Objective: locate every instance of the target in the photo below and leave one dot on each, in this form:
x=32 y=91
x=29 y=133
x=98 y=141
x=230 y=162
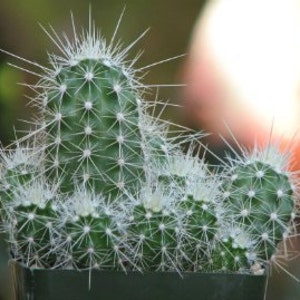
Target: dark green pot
x=108 y=285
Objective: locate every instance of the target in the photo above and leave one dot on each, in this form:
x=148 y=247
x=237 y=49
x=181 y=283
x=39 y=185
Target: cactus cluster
x=99 y=184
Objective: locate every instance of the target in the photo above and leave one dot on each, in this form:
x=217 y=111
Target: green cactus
x=33 y=230
x=91 y=235
x=260 y=196
x=180 y=171
x=94 y=120
x=153 y=232
x=103 y=186
x=19 y=167
x=93 y=125
x=200 y=226
x=228 y=255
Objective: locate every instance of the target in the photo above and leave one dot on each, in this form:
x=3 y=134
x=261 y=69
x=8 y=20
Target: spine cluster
x=100 y=185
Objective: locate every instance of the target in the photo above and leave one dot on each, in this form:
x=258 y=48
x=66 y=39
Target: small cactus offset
x=100 y=185
x=92 y=233
x=232 y=252
x=18 y=168
x=260 y=195
x=33 y=230
x=154 y=231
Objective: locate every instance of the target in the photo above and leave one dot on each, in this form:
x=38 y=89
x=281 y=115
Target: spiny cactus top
x=93 y=120
x=100 y=185
x=260 y=195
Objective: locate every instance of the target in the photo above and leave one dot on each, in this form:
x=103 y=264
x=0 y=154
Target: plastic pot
x=41 y=284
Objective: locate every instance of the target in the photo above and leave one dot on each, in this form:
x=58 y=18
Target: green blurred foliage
x=10 y=100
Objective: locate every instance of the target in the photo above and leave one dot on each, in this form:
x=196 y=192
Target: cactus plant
x=92 y=119
x=100 y=185
x=258 y=191
x=92 y=235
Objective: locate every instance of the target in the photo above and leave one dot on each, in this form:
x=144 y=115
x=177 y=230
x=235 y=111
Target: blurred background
x=242 y=69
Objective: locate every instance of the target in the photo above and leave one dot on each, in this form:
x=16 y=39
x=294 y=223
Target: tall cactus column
x=92 y=124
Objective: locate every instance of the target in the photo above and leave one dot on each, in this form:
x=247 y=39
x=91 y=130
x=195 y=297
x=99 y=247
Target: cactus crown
x=100 y=185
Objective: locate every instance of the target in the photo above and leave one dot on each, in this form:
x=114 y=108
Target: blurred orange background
x=243 y=73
